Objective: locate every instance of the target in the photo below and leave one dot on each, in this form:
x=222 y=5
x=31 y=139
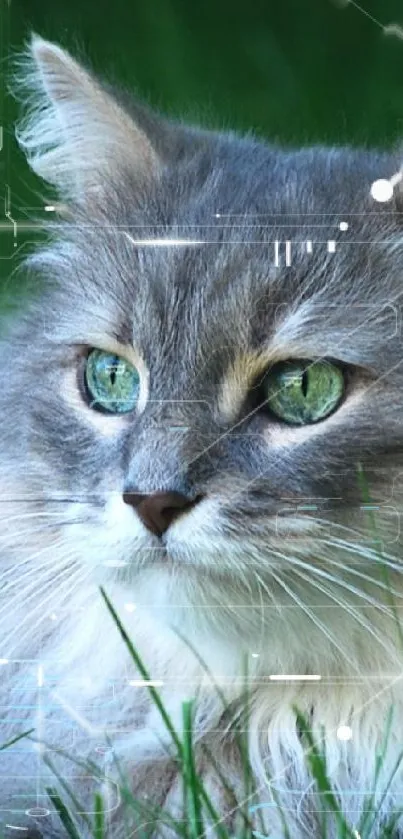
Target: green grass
x=143 y=819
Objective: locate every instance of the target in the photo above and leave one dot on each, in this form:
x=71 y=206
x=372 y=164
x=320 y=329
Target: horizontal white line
x=162 y=242
x=295 y=678
x=144 y=683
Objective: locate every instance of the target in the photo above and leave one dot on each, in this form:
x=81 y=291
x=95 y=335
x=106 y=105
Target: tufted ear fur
x=73 y=133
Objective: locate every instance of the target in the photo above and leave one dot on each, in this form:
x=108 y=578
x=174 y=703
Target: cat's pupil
x=304 y=383
x=113 y=376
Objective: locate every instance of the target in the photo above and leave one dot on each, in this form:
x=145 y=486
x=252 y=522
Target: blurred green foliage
x=297 y=71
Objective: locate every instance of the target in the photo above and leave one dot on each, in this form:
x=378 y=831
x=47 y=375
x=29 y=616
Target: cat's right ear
x=74 y=134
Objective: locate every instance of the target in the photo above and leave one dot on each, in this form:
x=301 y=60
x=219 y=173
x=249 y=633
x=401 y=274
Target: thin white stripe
x=295 y=678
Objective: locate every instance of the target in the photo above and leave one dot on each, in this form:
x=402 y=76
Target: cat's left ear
x=74 y=134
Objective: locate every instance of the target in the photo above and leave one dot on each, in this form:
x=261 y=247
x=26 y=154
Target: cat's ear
x=74 y=134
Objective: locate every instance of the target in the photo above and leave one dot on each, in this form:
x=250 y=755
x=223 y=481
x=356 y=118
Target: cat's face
x=260 y=387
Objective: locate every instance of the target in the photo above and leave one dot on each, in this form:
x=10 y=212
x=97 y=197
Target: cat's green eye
x=112 y=383
x=302 y=392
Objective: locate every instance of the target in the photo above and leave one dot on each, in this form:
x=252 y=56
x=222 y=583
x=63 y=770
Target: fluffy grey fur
x=247 y=570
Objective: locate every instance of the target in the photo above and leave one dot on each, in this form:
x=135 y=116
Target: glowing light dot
x=343 y=225
x=255 y=655
x=53 y=617
x=3 y=660
x=218 y=215
x=344 y=732
x=130 y=607
x=382 y=190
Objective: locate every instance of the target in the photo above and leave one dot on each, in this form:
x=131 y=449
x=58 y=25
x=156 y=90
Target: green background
x=298 y=71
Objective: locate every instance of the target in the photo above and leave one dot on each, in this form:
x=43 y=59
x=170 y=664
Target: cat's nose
x=159 y=509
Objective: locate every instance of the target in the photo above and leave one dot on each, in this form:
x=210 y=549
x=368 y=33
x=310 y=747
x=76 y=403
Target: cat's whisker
x=318 y=623
x=48 y=514
x=55 y=526
x=336 y=581
x=30 y=635
x=13 y=540
x=29 y=579
x=268 y=591
x=62 y=587
x=26 y=593
x=319 y=571
x=348 y=569
x=353 y=613
x=262 y=610
x=261 y=585
x=31 y=564
x=312 y=571
x=369 y=555
x=368 y=552
x=55 y=536
x=40 y=499
x=33 y=596
x=31 y=559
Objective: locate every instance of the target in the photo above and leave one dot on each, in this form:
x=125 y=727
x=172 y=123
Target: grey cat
x=202 y=413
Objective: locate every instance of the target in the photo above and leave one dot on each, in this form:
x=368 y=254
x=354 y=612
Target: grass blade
x=99 y=820
x=144 y=672
x=237 y=735
x=154 y=813
x=16 y=739
x=229 y=790
x=88 y=765
x=193 y=804
x=387 y=787
x=318 y=770
x=369 y=804
x=79 y=807
x=63 y=812
x=221 y=832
